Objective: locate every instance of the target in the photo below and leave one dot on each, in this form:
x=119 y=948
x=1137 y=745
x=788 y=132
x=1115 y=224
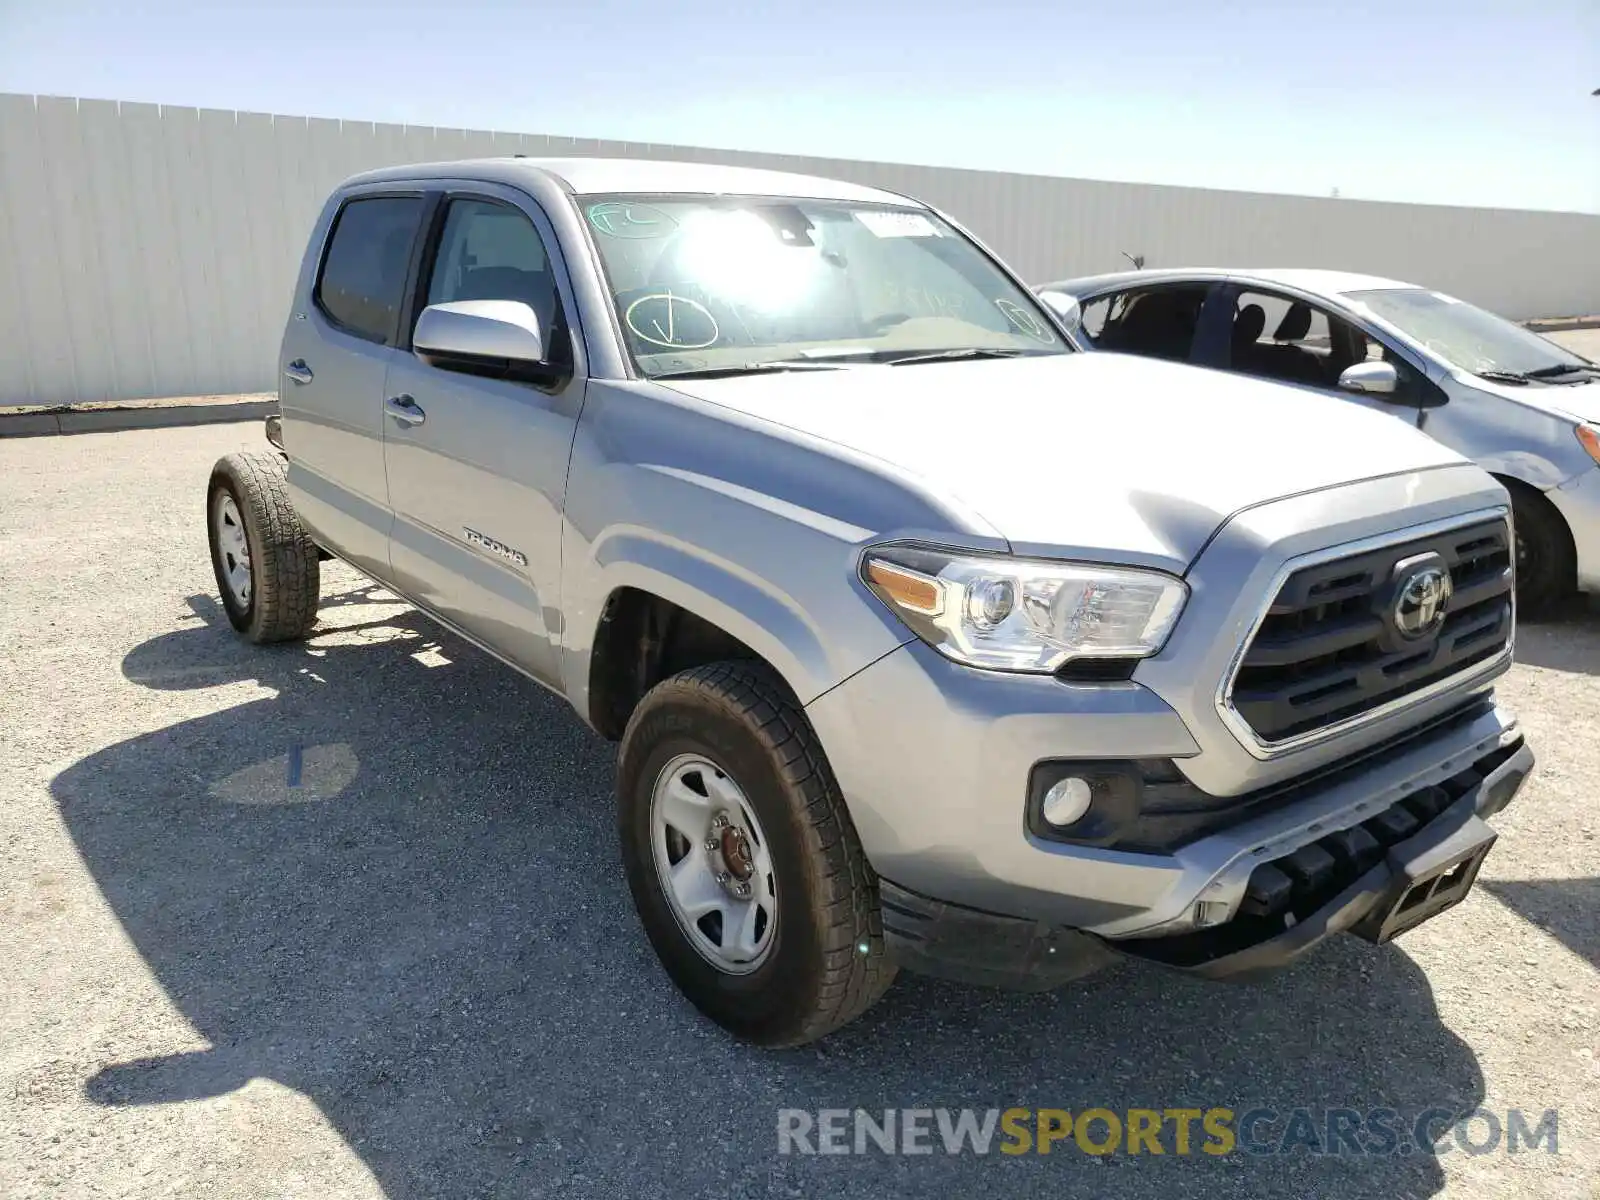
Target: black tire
x=827 y=964
x=1547 y=562
x=285 y=577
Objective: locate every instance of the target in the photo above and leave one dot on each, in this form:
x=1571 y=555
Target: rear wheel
x=743 y=862
x=1547 y=564
x=265 y=562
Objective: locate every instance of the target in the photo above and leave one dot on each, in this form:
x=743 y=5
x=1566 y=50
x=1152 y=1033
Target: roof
x=1315 y=281
x=583 y=176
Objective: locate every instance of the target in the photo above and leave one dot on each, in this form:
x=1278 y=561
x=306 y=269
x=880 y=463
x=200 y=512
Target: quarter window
x=364 y=271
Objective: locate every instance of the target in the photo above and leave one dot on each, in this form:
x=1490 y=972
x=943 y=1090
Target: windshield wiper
x=749 y=368
x=1537 y=375
x=1559 y=369
x=964 y=352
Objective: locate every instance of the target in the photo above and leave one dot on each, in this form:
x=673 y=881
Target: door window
x=1283 y=338
x=491 y=251
x=364 y=270
x=1155 y=322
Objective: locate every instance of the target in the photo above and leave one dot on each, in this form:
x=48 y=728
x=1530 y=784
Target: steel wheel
x=233 y=549
x=715 y=864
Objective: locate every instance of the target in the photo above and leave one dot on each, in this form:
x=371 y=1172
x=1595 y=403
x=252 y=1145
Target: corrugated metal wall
x=151 y=251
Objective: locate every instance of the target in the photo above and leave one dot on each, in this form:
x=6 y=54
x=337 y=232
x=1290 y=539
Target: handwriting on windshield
x=675 y=322
x=1025 y=321
x=630 y=220
x=923 y=301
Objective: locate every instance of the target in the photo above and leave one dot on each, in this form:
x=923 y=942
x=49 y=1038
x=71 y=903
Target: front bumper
x=1578 y=501
x=935 y=759
x=1427 y=866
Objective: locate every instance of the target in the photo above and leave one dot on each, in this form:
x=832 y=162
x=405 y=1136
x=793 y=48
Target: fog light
x=1211 y=912
x=1067 y=801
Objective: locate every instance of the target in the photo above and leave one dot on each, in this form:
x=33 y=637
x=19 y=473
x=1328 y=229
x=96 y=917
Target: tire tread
x=285 y=570
x=845 y=884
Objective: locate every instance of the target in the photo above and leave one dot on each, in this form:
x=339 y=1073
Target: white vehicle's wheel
x=1547 y=565
x=265 y=562
x=742 y=859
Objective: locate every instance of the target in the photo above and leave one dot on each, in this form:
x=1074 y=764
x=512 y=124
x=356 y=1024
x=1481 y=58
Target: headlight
x=1590 y=437
x=1016 y=614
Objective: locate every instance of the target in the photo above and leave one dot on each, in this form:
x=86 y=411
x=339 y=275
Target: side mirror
x=1064 y=306
x=497 y=337
x=1370 y=379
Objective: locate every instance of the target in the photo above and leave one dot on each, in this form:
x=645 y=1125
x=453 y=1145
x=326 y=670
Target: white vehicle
x=1520 y=406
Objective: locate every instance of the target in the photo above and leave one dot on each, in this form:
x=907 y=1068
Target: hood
x=1080 y=453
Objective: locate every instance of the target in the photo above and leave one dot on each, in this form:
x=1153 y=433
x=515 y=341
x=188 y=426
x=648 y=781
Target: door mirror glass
x=1370 y=379
x=495 y=336
x=1065 y=307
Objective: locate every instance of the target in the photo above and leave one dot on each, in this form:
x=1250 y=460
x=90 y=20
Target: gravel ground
x=345 y=919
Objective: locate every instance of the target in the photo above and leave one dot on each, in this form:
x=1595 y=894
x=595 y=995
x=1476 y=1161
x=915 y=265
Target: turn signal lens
x=1590 y=437
x=908 y=589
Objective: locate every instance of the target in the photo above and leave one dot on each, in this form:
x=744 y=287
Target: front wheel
x=742 y=859
x=265 y=562
x=1547 y=566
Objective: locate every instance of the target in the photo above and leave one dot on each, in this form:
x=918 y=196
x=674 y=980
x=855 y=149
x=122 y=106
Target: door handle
x=298 y=372
x=405 y=410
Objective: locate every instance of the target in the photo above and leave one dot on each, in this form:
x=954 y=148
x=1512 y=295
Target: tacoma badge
x=494 y=547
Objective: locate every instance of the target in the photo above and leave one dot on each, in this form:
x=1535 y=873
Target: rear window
x=364 y=270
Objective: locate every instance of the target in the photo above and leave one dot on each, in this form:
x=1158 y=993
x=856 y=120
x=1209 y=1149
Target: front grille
x=1330 y=647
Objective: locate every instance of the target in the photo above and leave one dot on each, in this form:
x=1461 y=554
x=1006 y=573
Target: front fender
x=746 y=525
x=749 y=608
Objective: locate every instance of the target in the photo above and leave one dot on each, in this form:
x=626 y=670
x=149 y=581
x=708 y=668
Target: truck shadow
x=393 y=886
x=1567 y=909
x=1570 y=641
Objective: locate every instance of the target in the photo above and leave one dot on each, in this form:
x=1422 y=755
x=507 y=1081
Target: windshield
x=1465 y=336
x=709 y=283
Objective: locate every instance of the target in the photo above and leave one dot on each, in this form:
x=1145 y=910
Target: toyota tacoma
x=929 y=640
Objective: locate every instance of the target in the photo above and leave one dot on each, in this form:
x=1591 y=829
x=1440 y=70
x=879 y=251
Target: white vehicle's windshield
x=725 y=284
x=1468 y=337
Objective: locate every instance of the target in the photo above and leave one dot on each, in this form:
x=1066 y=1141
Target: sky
x=1480 y=102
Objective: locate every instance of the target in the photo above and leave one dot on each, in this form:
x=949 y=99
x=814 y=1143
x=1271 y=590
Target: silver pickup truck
x=929 y=640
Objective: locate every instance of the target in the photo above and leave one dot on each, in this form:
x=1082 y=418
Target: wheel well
x=1535 y=503
x=641 y=640
x=1531 y=497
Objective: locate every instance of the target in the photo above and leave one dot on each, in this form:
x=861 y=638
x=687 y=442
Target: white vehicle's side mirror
x=498 y=336
x=1065 y=307
x=1370 y=379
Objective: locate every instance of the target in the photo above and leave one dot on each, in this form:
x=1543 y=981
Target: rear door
x=478 y=482
x=335 y=353
x=1159 y=320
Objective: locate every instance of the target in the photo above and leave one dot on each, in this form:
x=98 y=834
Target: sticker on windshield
x=673 y=322
x=1029 y=323
x=897 y=224
x=630 y=220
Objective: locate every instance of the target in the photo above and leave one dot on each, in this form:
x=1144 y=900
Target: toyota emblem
x=1420 y=608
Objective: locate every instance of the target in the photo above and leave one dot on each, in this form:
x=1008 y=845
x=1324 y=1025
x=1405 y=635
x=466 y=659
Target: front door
x=1287 y=339
x=477 y=465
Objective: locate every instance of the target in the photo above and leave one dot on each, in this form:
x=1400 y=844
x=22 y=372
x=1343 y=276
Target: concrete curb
x=111 y=418
x=1563 y=324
